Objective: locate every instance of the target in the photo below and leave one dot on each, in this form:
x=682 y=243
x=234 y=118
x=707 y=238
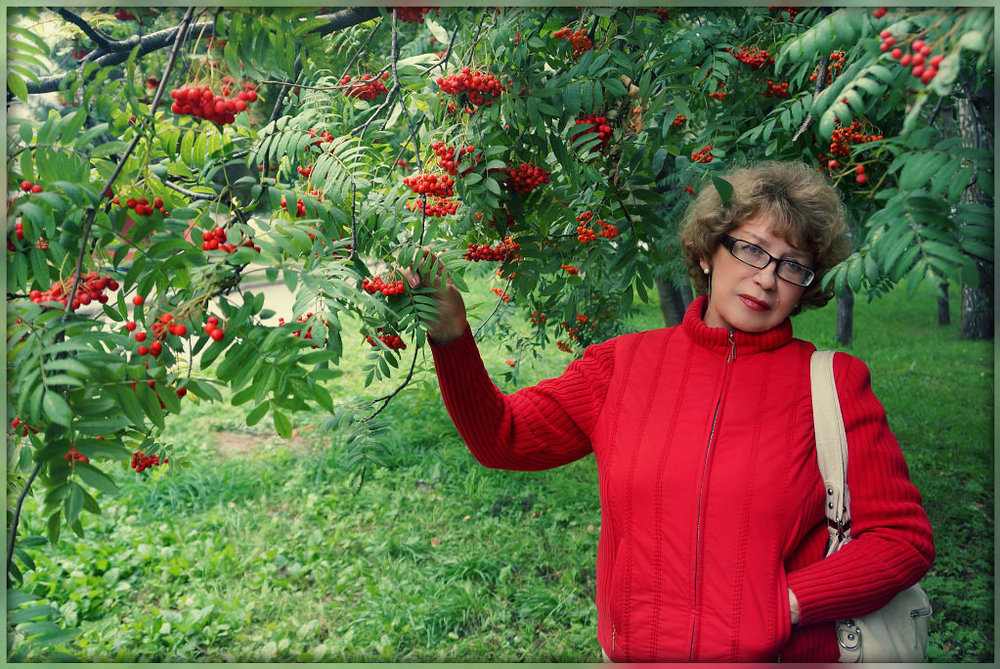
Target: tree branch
x=99 y=38
x=164 y=38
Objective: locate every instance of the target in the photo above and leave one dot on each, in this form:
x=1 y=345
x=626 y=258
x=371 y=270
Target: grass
x=254 y=548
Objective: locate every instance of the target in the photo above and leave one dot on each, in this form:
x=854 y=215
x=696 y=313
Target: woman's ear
x=704 y=266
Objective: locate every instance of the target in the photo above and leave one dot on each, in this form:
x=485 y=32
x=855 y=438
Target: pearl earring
x=705 y=270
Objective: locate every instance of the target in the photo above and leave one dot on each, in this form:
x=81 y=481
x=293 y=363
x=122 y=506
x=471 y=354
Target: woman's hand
x=452 y=320
x=793 y=605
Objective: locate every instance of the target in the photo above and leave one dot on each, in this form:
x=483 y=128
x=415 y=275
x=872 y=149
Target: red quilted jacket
x=711 y=499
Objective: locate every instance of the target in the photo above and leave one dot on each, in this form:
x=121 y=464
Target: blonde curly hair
x=805 y=211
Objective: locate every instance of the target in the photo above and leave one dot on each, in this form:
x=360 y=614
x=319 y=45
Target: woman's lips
x=754 y=303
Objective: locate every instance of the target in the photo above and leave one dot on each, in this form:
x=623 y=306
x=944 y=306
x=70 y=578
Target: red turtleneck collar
x=717 y=339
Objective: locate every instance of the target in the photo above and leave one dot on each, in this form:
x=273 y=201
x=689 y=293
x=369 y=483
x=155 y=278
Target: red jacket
x=711 y=499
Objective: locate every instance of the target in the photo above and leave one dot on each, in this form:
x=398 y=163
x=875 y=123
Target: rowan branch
x=817 y=89
x=179 y=34
x=99 y=38
x=161 y=39
x=11 y=541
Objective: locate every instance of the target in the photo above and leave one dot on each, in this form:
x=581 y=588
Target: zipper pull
x=732 y=345
x=612 y=638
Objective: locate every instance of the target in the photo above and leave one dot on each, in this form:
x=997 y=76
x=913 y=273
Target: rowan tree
x=176 y=153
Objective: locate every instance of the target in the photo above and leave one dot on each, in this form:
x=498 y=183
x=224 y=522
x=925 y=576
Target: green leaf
x=258 y=412
x=73 y=503
x=17 y=86
x=724 y=188
x=282 y=424
x=95 y=478
x=31 y=613
x=55 y=407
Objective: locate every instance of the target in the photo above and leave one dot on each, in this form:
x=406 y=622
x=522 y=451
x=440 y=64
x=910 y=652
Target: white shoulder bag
x=898 y=631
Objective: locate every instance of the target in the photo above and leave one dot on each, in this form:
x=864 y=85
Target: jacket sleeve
x=541 y=427
x=891 y=545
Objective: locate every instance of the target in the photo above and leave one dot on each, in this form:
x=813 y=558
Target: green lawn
x=250 y=547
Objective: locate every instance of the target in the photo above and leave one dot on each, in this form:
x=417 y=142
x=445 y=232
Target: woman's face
x=745 y=298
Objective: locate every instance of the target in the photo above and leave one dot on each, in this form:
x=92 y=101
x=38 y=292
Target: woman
x=713 y=534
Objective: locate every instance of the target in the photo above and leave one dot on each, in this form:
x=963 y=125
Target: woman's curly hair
x=804 y=208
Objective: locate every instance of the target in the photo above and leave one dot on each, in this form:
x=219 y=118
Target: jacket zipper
x=701 y=492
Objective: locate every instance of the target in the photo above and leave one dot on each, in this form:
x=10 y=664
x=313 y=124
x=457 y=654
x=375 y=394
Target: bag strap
x=831 y=448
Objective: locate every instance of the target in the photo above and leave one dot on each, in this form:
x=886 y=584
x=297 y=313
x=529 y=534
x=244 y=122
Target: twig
x=387 y=398
x=817 y=89
x=17 y=515
x=92 y=210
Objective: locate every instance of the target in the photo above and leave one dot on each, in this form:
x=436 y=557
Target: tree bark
x=944 y=315
x=671 y=302
x=845 y=317
x=977 y=301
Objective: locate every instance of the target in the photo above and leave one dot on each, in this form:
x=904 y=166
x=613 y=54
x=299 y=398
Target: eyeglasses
x=753 y=255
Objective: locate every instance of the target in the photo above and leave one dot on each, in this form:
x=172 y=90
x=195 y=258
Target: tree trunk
x=944 y=316
x=845 y=317
x=671 y=301
x=977 y=302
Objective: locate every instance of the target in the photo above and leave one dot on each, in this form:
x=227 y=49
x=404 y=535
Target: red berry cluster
x=124 y=15
x=836 y=64
x=213 y=330
x=599 y=125
x=438 y=207
x=160 y=328
x=563 y=346
x=411 y=14
x=447 y=159
x=25 y=428
x=91 y=289
x=925 y=66
x=662 y=13
x=679 y=121
x=387 y=288
x=216 y=239
x=202 y=102
x=538 y=318
x=842 y=138
x=754 y=57
x=570 y=269
x=142 y=462
x=773 y=90
x=792 y=11
x=703 y=156
x=300 y=207
x=142 y=206
x=304 y=171
x=508 y=248
x=431 y=184
x=608 y=230
x=583 y=233
x=860 y=176
x=719 y=94
x=394 y=342
x=482 y=88
x=689 y=190
x=29 y=187
x=365 y=88
x=75 y=456
x=879 y=13
x=525 y=178
x=298 y=333
x=503 y=295
x=579 y=40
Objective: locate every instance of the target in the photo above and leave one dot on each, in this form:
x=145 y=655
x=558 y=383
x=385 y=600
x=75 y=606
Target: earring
x=705 y=270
